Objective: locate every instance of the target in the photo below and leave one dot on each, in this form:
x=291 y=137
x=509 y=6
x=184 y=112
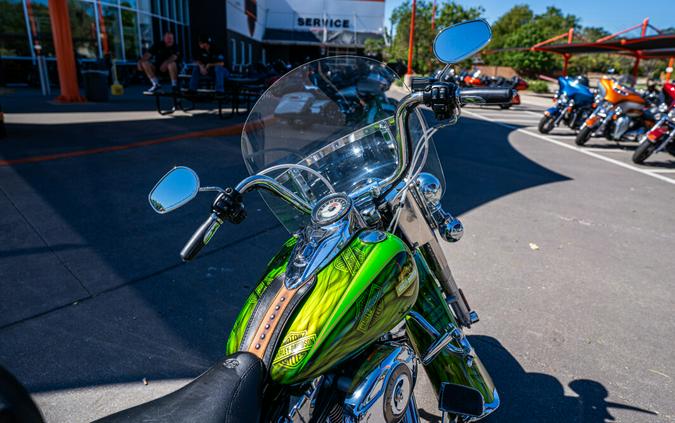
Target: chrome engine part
x=430 y=189
x=382 y=391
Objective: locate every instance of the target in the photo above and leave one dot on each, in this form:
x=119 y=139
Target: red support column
x=636 y=66
x=412 y=37
x=566 y=56
x=671 y=62
x=65 y=54
x=433 y=17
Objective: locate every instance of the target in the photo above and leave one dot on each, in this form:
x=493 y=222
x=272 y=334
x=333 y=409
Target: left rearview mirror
x=177 y=187
x=458 y=42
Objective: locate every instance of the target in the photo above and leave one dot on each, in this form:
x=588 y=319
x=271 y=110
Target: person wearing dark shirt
x=163 y=55
x=209 y=61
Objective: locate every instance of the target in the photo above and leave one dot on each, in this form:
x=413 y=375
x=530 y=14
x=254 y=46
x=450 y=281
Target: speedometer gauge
x=331 y=209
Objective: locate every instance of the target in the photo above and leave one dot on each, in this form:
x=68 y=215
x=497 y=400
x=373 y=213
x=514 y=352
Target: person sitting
x=163 y=55
x=209 y=62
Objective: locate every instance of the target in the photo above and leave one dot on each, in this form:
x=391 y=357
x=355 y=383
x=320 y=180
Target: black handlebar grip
x=201 y=237
x=486 y=95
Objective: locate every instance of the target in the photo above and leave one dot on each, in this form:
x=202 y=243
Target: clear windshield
x=327 y=122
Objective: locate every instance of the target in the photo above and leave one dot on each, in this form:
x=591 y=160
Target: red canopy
x=652 y=47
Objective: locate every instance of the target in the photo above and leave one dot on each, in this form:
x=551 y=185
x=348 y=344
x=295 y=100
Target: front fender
x=552 y=111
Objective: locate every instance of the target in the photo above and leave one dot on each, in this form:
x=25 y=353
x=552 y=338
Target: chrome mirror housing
x=177 y=187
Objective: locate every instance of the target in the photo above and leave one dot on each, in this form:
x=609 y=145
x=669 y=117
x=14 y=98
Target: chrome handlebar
x=270 y=184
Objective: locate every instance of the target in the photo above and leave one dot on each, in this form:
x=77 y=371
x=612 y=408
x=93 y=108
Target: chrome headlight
x=562 y=98
x=663 y=107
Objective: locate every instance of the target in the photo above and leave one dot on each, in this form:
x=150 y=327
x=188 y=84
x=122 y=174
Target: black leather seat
x=230 y=391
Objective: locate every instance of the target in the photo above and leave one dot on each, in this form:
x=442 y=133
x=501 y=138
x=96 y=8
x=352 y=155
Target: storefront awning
x=316 y=38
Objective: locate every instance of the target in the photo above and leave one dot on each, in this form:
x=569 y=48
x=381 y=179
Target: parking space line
x=662 y=170
x=575 y=148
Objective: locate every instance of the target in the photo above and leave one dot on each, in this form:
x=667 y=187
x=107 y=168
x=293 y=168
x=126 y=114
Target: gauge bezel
x=327 y=221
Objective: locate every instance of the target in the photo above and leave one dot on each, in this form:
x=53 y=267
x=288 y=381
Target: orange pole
x=671 y=62
x=65 y=54
x=433 y=17
x=412 y=36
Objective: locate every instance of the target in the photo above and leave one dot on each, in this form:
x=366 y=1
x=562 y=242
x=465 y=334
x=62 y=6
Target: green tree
x=375 y=47
x=447 y=14
x=549 y=24
x=506 y=25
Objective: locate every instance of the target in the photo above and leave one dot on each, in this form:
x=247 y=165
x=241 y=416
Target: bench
x=237 y=91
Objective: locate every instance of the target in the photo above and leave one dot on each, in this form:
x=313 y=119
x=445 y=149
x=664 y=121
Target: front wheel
x=505 y=106
x=643 y=152
x=583 y=136
x=546 y=124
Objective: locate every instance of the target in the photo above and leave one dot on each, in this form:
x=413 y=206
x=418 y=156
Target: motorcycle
x=660 y=137
x=573 y=105
x=361 y=295
x=621 y=114
x=330 y=96
x=475 y=79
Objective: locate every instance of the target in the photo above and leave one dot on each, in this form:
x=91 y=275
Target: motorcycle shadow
x=539 y=397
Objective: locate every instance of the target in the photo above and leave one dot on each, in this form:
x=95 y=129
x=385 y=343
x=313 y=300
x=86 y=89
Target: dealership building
x=248 y=31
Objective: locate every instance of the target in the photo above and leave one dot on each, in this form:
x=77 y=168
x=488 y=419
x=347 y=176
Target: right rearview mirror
x=458 y=42
x=177 y=187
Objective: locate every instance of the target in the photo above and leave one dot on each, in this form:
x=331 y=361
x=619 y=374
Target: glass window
x=157 y=30
x=145 y=26
x=38 y=13
x=83 y=27
x=144 y=6
x=179 y=11
x=131 y=4
x=129 y=29
x=110 y=32
x=14 y=38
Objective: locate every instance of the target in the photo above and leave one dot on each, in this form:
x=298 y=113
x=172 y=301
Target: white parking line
x=662 y=170
x=575 y=148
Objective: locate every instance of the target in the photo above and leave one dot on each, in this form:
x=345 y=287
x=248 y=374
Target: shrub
x=538 y=87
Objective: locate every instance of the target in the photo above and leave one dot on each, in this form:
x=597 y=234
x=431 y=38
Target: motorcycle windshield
x=330 y=120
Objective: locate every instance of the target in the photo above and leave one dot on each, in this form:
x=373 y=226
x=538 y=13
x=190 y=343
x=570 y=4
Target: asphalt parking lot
x=566 y=257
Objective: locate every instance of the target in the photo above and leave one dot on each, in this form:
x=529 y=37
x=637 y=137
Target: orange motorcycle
x=620 y=114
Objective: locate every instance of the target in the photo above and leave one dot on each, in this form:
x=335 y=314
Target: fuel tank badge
x=294 y=349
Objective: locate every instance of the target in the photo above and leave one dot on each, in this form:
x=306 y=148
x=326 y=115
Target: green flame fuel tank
x=365 y=291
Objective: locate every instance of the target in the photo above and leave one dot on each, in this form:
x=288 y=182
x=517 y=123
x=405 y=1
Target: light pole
x=412 y=37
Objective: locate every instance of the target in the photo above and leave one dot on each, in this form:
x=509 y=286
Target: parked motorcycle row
x=617 y=112
x=475 y=79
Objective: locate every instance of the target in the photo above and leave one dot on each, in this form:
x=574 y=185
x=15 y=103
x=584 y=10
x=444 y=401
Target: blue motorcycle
x=573 y=104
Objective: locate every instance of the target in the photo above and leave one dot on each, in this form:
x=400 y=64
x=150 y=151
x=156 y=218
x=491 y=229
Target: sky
x=613 y=15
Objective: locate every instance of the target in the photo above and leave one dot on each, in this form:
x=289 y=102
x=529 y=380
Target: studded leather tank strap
x=273 y=319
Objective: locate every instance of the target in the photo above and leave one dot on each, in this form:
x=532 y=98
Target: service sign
x=251 y=17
